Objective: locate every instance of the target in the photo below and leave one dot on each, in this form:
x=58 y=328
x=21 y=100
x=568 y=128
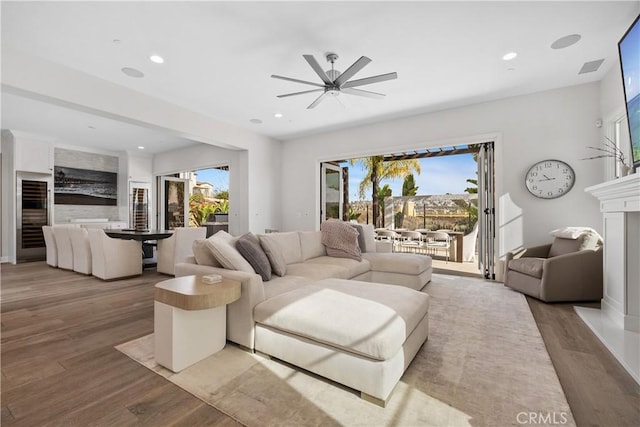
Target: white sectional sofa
x=357 y=322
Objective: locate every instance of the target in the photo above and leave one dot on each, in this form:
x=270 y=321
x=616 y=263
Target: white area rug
x=485 y=364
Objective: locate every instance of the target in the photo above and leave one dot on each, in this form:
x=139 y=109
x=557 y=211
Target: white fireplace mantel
x=617 y=324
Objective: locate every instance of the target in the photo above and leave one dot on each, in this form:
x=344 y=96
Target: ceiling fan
x=334 y=82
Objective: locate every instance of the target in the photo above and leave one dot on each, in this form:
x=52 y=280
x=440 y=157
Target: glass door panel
x=332 y=192
x=174 y=202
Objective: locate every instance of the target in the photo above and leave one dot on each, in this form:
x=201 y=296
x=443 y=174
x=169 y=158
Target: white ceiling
x=220 y=55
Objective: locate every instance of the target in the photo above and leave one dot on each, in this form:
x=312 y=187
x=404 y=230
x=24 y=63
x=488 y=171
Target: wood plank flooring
x=599 y=390
x=59 y=366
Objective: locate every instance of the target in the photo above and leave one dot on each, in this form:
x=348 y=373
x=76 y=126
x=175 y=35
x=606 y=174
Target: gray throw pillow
x=249 y=247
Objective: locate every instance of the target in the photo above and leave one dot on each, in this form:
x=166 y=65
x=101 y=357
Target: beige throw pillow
x=341 y=240
x=274 y=254
x=203 y=254
x=223 y=247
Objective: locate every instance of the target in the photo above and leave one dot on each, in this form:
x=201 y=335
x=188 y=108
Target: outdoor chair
x=411 y=241
x=437 y=240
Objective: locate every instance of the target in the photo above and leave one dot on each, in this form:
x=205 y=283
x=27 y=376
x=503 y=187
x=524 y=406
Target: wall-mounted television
x=629 y=50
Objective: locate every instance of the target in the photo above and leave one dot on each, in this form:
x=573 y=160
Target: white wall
x=557 y=124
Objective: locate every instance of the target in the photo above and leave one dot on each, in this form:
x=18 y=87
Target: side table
x=190 y=319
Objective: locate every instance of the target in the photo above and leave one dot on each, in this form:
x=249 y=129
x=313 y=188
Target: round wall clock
x=549 y=179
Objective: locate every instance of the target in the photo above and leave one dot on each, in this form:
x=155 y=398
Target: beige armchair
x=178 y=247
x=114 y=258
x=565 y=270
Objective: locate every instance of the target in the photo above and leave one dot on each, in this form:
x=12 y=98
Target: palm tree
x=377 y=169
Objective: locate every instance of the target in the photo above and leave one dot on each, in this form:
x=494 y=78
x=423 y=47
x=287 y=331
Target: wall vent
x=591 y=66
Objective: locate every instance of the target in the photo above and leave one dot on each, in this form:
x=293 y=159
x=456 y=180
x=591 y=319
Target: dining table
x=147 y=237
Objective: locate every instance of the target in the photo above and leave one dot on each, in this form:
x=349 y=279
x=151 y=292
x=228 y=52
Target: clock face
x=549 y=179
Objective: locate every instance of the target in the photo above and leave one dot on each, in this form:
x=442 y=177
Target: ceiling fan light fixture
x=334 y=82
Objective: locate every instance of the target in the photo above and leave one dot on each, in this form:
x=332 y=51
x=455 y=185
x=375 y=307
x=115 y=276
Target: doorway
x=468 y=211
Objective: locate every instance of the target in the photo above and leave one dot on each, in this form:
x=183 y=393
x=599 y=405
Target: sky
x=216 y=177
x=439 y=175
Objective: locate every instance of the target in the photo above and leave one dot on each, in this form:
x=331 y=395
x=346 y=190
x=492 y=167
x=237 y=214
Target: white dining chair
x=437 y=240
x=81 y=249
x=50 y=243
x=63 y=246
x=178 y=247
x=113 y=258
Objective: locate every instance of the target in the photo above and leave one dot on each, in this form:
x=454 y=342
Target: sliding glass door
x=332 y=194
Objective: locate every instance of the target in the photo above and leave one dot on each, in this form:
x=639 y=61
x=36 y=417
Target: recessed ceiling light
x=132 y=72
x=566 y=41
x=157 y=59
x=277 y=115
x=91 y=127
x=256 y=121
x=140 y=147
x=509 y=56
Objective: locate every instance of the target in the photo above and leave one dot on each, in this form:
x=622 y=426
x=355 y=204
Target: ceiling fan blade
x=317 y=101
x=296 y=80
x=318 y=69
x=370 y=80
x=365 y=93
x=301 y=93
x=351 y=71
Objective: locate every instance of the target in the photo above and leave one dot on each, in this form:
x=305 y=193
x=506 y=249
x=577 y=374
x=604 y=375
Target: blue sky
x=216 y=177
x=439 y=175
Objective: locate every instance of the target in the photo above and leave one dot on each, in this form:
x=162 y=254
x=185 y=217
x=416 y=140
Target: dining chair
x=178 y=247
x=50 y=243
x=437 y=240
x=411 y=241
x=63 y=245
x=114 y=258
x=81 y=249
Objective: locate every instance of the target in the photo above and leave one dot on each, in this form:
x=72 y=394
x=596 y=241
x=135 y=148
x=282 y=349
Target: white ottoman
x=360 y=334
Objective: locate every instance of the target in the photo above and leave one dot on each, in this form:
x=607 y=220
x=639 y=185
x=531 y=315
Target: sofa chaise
x=357 y=322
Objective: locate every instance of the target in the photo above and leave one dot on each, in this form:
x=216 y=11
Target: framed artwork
x=85 y=187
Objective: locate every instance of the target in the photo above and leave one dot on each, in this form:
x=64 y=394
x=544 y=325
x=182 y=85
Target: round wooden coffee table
x=190 y=319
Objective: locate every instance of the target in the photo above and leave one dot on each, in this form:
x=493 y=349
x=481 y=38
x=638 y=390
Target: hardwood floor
x=59 y=366
x=599 y=390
